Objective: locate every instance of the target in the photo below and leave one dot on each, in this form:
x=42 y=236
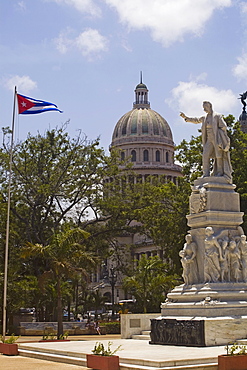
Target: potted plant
x=102 y=358
x=52 y=337
x=235 y=358
x=8 y=346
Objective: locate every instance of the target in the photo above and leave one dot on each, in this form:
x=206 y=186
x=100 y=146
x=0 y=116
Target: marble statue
x=215 y=142
x=213 y=256
x=189 y=262
x=234 y=262
x=224 y=263
x=242 y=246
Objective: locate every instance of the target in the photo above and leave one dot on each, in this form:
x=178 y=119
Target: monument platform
x=134 y=354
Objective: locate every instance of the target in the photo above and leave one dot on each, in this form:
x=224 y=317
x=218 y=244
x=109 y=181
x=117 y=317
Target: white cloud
x=63 y=42
x=22 y=5
x=84 y=6
x=243 y=7
x=89 y=43
x=168 y=20
x=240 y=69
x=24 y=84
x=187 y=97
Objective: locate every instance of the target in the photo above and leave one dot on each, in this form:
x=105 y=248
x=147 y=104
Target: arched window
x=133 y=156
x=157 y=156
x=167 y=157
x=145 y=156
x=122 y=156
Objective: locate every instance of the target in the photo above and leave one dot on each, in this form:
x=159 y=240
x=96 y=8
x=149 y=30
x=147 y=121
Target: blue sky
x=86 y=57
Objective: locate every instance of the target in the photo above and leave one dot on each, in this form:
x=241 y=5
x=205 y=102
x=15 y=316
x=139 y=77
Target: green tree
x=97 y=301
x=163 y=217
x=64 y=258
x=54 y=179
x=149 y=282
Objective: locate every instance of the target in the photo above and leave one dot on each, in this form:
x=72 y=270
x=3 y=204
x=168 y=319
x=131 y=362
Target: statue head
x=207 y=106
x=188 y=238
x=232 y=244
x=209 y=230
x=243 y=238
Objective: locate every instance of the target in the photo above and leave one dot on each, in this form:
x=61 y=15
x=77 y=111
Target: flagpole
x=7 y=224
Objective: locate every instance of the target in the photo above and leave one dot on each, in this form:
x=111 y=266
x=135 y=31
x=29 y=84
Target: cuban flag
x=28 y=105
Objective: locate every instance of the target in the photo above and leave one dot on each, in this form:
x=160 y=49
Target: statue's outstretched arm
x=191 y=119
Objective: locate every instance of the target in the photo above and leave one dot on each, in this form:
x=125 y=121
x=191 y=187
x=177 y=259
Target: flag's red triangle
x=23 y=103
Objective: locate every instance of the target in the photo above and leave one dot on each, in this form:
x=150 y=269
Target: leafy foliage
x=149 y=282
x=63 y=258
x=100 y=350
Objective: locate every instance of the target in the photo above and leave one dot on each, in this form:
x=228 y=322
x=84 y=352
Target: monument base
x=207 y=300
x=198 y=331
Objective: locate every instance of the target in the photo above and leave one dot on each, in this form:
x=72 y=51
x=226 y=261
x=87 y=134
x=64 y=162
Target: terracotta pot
x=9 y=349
x=103 y=362
x=235 y=362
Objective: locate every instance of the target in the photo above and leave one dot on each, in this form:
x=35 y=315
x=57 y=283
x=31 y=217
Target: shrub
x=112 y=327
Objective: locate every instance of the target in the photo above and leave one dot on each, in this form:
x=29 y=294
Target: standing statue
x=234 y=259
x=224 y=263
x=213 y=256
x=215 y=142
x=189 y=262
x=243 y=97
x=242 y=246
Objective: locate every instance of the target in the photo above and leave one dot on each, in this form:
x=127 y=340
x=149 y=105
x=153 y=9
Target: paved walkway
x=27 y=363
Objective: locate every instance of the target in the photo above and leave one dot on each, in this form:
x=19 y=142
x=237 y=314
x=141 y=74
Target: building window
x=145 y=156
x=133 y=156
x=157 y=155
x=167 y=157
x=122 y=156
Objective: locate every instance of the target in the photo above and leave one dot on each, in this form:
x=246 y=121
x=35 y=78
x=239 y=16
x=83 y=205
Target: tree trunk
x=69 y=309
x=59 y=311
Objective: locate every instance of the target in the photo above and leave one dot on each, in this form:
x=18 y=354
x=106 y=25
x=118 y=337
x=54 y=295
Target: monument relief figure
x=213 y=256
x=242 y=246
x=234 y=258
x=215 y=142
x=189 y=262
x=224 y=263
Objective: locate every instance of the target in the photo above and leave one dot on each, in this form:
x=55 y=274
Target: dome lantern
x=141 y=95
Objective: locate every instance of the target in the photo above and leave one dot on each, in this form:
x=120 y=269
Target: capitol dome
x=145 y=137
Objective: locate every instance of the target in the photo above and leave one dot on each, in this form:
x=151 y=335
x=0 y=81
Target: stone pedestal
x=211 y=307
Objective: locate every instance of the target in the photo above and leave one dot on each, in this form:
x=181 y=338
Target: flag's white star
x=23 y=104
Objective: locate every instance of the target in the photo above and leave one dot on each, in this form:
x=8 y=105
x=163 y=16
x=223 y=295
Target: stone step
x=125 y=364
x=146 y=332
x=140 y=337
x=210 y=366
x=53 y=357
x=145 y=335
